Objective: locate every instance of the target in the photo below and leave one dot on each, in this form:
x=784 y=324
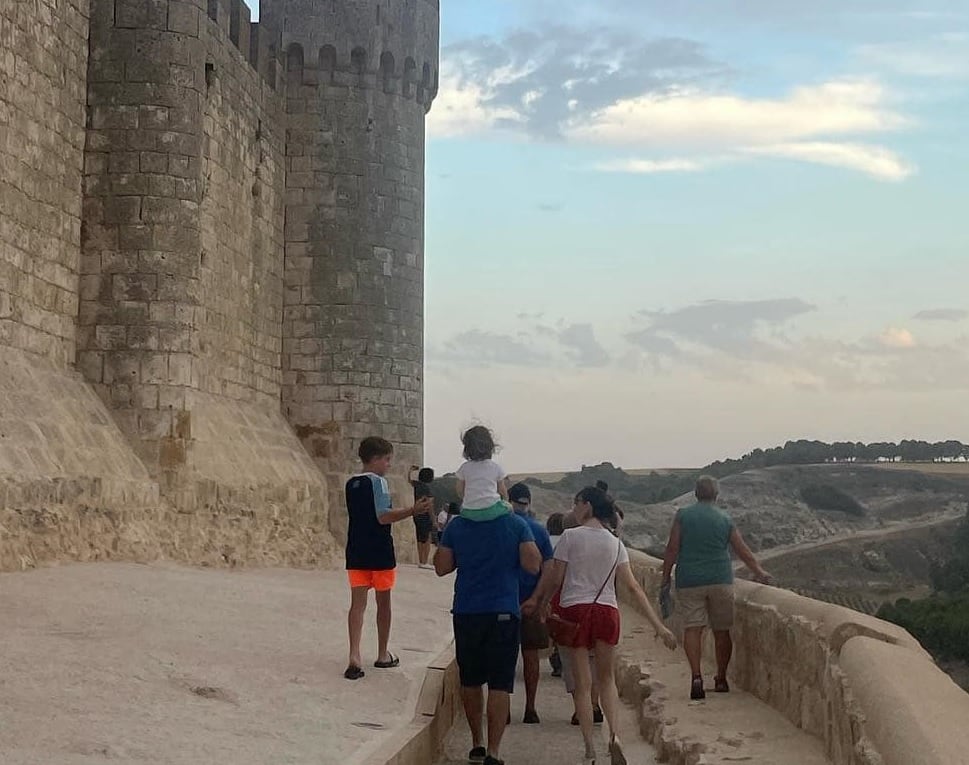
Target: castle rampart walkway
x=724 y=728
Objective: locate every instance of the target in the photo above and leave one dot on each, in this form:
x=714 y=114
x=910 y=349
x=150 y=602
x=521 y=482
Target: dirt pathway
x=899 y=527
x=553 y=742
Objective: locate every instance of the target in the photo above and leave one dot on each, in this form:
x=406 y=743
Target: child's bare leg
x=358 y=606
x=383 y=624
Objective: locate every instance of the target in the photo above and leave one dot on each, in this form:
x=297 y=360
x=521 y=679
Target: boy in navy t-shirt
x=370 y=558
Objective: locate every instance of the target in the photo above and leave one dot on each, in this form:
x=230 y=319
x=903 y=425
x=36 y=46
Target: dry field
x=930 y=468
x=553 y=477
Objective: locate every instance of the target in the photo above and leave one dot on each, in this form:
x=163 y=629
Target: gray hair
x=707 y=488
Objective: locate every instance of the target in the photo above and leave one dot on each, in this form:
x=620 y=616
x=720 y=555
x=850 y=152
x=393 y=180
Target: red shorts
x=597 y=622
x=381 y=581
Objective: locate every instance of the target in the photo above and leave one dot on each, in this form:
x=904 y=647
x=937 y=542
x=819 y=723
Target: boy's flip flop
x=353 y=673
x=393 y=662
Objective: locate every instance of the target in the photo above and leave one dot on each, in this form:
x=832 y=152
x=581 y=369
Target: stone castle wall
x=43 y=65
x=864 y=687
x=222 y=251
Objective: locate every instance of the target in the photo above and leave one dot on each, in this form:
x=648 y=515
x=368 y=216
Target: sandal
x=696 y=689
x=353 y=673
x=394 y=661
x=616 y=755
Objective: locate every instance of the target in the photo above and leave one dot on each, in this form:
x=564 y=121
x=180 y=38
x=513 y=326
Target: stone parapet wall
x=865 y=687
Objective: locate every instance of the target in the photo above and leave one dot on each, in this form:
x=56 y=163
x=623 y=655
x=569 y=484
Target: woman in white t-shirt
x=588 y=561
x=482 y=482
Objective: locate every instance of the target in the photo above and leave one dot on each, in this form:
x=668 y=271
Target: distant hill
x=653 y=486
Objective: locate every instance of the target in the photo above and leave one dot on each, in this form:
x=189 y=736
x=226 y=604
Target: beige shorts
x=709 y=605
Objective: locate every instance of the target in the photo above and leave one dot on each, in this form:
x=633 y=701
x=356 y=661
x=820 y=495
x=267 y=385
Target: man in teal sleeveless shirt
x=699 y=545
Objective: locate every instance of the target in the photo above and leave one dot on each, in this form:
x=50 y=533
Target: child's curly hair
x=479 y=444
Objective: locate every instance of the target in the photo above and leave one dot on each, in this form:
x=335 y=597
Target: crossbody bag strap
x=614 y=567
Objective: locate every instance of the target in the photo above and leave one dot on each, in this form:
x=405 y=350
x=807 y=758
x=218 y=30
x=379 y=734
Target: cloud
x=941 y=56
x=894 y=337
x=650 y=166
x=550 y=207
x=663 y=98
x=787 y=127
x=698 y=118
x=535 y=82
x=479 y=348
x=875 y=161
x=747 y=340
x=942 y=314
x=585 y=349
x=732 y=327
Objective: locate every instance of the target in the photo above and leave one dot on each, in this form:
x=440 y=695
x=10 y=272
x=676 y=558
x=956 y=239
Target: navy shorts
x=486 y=648
x=423 y=525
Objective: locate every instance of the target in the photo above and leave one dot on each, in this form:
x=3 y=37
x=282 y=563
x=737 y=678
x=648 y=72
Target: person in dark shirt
x=534 y=632
x=370 y=559
x=423 y=522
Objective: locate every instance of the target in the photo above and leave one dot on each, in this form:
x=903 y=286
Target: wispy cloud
x=584 y=348
x=479 y=348
x=664 y=100
x=896 y=337
x=941 y=56
x=550 y=207
x=734 y=327
x=875 y=161
x=942 y=314
x=651 y=166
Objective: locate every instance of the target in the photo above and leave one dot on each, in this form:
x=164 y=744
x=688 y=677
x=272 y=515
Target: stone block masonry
x=224 y=239
x=43 y=62
x=359 y=79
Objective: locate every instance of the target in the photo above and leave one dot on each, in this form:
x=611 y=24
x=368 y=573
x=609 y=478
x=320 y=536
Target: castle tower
x=359 y=78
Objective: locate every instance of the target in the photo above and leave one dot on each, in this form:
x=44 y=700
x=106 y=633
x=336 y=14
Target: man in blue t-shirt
x=534 y=631
x=488 y=555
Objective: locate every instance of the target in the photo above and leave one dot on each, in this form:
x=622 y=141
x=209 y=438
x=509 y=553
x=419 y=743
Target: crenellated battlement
x=359 y=67
x=327 y=43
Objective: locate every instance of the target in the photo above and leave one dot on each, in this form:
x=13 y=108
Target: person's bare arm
x=672 y=551
x=745 y=555
x=444 y=561
x=421 y=507
x=529 y=557
x=624 y=573
x=553 y=574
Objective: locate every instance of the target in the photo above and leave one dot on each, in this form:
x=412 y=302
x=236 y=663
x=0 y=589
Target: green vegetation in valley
x=941 y=621
x=826 y=497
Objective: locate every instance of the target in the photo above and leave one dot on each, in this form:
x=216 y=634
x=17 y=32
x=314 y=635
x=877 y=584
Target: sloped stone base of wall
x=72 y=489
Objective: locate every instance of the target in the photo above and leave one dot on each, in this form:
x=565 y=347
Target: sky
x=661 y=234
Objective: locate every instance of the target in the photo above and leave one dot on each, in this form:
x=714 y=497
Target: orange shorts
x=381 y=581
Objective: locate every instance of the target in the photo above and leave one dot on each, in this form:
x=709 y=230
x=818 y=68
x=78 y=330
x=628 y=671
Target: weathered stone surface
x=222 y=252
